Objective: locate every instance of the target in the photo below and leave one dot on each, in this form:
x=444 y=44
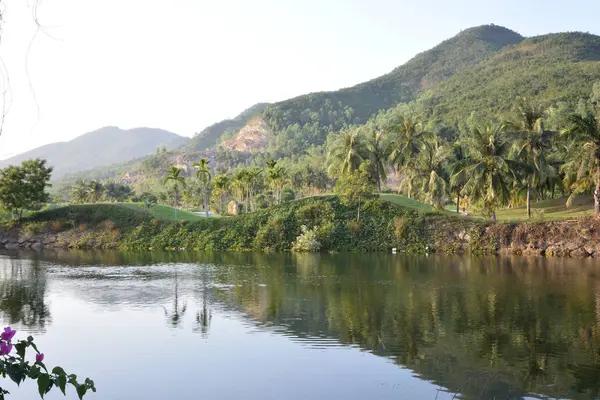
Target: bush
x=307 y=241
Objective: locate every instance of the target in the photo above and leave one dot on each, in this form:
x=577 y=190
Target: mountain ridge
x=101 y=147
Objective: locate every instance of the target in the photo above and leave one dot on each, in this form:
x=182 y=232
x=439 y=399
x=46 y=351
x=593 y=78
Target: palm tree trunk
x=528 y=199
x=378 y=177
x=206 y=202
x=176 y=201
x=597 y=193
x=458 y=203
x=358 y=213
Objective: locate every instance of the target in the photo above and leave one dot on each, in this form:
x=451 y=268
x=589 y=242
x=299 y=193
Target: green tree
x=434 y=173
x=221 y=189
x=582 y=169
x=177 y=180
x=24 y=187
x=487 y=170
x=204 y=176
x=345 y=153
x=277 y=179
x=79 y=192
x=357 y=187
x=95 y=191
x=532 y=144
x=377 y=148
x=409 y=143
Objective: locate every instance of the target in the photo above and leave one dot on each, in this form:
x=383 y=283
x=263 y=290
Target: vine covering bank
x=325 y=223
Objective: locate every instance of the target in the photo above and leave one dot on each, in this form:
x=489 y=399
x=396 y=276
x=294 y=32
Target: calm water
x=189 y=326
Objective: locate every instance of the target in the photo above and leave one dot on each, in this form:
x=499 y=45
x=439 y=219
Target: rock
x=36 y=246
x=234 y=207
x=579 y=253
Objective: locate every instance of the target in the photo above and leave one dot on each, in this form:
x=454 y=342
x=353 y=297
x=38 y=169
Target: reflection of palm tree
x=175 y=316
x=203 y=317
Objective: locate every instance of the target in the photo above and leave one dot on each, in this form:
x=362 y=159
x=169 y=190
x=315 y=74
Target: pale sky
x=181 y=65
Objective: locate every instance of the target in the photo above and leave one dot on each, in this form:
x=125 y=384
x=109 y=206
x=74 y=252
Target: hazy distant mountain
x=102 y=147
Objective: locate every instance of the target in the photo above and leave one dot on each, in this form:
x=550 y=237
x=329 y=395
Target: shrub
x=307 y=241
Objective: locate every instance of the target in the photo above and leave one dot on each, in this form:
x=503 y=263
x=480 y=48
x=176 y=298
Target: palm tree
x=221 y=189
x=583 y=168
x=174 y=176
x=204 y=176
x=457 y=155
x=79 y=191
x=487 y=170
x=532 y=144
x=378 y=150
x=433 y=170
x=94 y=190
x=345 y=154
x=277 y=179
x=409 y=142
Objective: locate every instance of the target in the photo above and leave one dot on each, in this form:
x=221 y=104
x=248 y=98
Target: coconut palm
x=176 y=179
x=345 y=153
x=377 y=148
x=457 y=156
x=582 y=170
x=487 y=171
x=532 y=144
x=434 y=173
x=204 y=176
x=95 y=191
x=409 y=142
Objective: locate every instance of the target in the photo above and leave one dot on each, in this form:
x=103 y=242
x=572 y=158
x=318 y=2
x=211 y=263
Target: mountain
x=209 y=137
x=102 y=147
x=481 y=70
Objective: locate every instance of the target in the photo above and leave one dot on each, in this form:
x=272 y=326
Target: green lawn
x=555 y=209
x=406 y=202
x=544 y=210
x=165 y=212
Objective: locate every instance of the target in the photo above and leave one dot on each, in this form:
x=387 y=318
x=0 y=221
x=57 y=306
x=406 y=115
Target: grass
x=554 y=209
x=165 y=212
x=547 y=210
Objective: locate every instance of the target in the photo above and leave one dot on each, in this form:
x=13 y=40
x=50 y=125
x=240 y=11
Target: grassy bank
x=383 y=225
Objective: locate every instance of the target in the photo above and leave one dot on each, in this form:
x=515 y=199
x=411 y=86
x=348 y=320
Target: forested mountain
x=211 y=135
x=102 y=147
x=481 y=70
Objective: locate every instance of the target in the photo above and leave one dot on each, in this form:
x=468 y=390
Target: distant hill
x=481 y=69
x=103 y=147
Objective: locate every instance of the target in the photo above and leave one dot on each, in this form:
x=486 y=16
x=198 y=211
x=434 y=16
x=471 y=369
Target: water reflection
x=22 y=292
x=501 y=328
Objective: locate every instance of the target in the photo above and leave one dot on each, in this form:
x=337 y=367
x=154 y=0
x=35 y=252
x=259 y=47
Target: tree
x=532 y=144
x=176 y=179
x=434 y=173
x=204 y=176
x=357 y=187
x=95 y=191
x=378 y=150
x=457 y=155
x=409 y=143
x=221 y=189
x=79 y=192
x=345 y=153
x=487 y=170
x=277 y=179
x=24 y=187
x=583 y=166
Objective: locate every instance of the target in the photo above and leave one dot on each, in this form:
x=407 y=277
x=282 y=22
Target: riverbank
x=381 y=227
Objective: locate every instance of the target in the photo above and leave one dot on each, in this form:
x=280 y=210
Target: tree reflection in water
x=22 y=294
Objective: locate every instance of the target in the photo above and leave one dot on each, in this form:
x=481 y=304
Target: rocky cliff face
x=253 y=137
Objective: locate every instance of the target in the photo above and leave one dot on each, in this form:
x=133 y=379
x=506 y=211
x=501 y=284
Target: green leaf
x=43 y=384
x=62 y=383
x=81 y=389
x=15 y=373
x=34 y=372
x=21 y=346
x=34 y=347
x=58 y=371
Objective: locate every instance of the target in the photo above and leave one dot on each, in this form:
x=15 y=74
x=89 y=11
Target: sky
x=182 y=65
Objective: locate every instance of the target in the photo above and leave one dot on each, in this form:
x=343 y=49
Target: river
x=285 y=326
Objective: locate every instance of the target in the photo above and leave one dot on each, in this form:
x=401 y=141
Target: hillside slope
x=103 y=147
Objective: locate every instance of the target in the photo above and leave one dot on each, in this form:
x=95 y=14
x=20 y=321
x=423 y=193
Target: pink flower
x=5 y=347
x=39 y=357
x=8 y=334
